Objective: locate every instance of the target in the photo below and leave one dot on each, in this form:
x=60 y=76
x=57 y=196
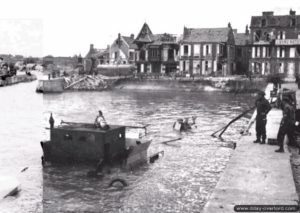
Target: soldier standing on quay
x=287 y=124
x=262 y=109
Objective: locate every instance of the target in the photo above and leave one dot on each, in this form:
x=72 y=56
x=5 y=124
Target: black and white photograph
x=135 y=106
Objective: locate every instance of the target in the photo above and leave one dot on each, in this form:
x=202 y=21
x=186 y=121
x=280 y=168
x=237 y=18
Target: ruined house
x=242 y=52
x=207 y=51
x=156 y=53
x=275 y=44
x=95 y=57
x=122 y=51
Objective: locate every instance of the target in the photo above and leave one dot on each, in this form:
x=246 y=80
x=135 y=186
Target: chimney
x=79 y=59
x=185 y=31
x=132 y=36
x=268 y=13
x=292 y=12
x=247 y=30
x=119 y=39
x=91 y=46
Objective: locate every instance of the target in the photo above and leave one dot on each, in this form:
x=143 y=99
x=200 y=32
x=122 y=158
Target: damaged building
x=156 y=53
x=122 y=51
x=242 y=51
x=207 y=51
x=275 y=44
x=94 y=57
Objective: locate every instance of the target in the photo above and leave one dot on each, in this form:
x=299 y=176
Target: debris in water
x=118 y=180
x=23 y=170
x=156 y=156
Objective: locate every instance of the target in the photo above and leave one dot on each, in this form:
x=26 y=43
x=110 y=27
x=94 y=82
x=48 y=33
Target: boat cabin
x=82 y=142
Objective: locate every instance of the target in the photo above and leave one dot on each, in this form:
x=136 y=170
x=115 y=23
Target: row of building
x=272 y=45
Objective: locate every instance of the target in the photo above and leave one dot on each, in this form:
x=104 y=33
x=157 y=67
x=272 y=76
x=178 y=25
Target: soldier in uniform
x=262 y=109
x=287 y=124
x=1 y=61
x=51 y=121
x=100 y=121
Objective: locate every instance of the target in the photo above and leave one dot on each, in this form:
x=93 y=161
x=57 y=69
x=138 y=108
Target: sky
x=67 y=27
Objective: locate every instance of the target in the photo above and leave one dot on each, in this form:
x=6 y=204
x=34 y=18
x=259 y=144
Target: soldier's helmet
x=262 y=93
x=180 y=120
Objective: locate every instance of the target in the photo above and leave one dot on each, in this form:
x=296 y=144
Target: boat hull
x=135 y=154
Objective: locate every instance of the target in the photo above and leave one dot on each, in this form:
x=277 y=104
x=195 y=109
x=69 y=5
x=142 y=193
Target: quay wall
x=233 y=84
x=189 y=84
x=255 y=174
x=51 y=86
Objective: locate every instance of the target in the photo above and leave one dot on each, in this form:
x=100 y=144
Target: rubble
x=88 y=82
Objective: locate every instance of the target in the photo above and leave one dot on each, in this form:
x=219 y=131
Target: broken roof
x=165 y=38
x=94 y=53
x=130 y=41
x=206 y=34
x=275 y=21
x=241 y=39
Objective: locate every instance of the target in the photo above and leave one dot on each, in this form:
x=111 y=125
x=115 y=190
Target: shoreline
x=235 y=84
x=229 y=84
x=222 y=84
x=17 y=79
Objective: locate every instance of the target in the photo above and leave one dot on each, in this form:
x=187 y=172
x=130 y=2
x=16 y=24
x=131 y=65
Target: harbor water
x=180 y=181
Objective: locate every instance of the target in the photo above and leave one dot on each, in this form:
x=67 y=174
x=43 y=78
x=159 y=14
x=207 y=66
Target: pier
x=255 y=174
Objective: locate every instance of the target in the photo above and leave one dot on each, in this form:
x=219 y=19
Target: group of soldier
x=287 y=124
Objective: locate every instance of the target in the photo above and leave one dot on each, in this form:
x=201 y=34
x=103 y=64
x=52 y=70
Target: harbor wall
x=222 y=84
x=208 y=84
x=51 y=86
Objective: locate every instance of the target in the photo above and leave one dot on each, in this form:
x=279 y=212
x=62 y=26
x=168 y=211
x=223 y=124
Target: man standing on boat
x=51 y=121
x=262 y=109
x=100 y=121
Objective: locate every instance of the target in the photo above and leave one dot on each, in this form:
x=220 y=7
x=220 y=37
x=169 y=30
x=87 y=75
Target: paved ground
x=255 y=173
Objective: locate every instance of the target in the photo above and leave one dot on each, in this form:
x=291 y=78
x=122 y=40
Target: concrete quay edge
x=255 y=175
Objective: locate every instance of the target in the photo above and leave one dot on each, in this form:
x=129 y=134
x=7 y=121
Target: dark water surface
x=181 y=181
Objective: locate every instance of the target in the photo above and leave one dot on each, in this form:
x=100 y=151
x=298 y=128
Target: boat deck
x=86 y=127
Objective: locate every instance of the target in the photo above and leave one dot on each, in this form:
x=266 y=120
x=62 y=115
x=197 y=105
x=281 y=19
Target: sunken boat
x=83 y=143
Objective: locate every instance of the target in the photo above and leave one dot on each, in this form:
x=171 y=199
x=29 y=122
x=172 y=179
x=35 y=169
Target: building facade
x=207 y=51
x=275 y=44
x=95 y=57
x=242 y=52
x=156 y=53
x=122 y=51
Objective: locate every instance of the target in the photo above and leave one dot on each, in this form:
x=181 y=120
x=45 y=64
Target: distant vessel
x=72 y=143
